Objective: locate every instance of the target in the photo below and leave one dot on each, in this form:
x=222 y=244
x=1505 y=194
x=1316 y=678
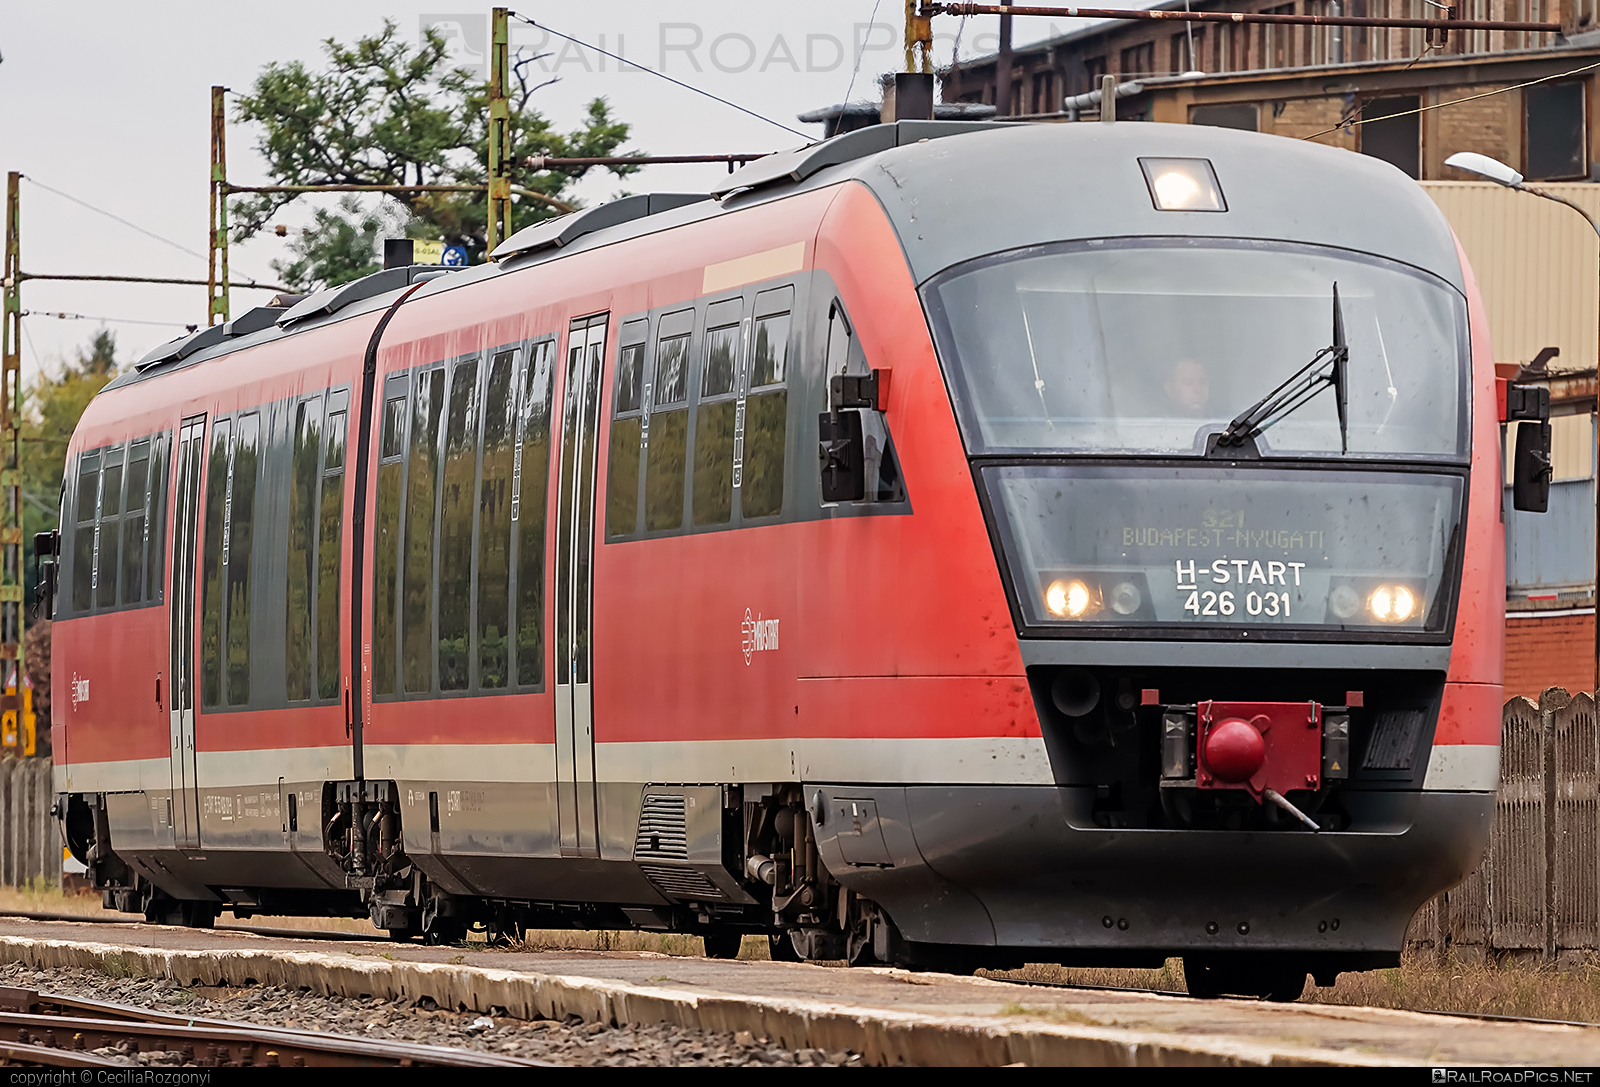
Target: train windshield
x=1259 y=547
x=1154 y=345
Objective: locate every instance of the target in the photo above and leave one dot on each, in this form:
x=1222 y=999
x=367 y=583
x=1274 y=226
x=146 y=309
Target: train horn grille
x=663 y=830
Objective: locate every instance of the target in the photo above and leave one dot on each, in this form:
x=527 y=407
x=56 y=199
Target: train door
x=186 y=521
x=580 y=423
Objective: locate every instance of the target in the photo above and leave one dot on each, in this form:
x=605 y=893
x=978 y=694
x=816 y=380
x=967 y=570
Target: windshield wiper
x=1328 y=367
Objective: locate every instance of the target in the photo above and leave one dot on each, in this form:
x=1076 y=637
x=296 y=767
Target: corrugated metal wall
x=1538 y=887
x=1537 y=264
x=30 y=843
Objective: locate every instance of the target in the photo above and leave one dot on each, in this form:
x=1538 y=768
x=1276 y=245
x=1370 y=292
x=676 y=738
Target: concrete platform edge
x=882 y=1037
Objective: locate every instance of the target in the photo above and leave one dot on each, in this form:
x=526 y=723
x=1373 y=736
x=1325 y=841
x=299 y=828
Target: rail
x=62 y=1031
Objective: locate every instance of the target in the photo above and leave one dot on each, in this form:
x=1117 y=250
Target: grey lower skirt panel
x=1025 y=867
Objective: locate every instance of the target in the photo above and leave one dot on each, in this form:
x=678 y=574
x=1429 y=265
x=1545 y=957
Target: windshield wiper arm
x=1328 y=367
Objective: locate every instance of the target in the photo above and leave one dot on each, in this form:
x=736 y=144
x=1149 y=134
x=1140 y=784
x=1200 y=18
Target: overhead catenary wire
x=131 y=226
x=1453 y=102
x=64 y=316
x=662 y=75
x=872 y=21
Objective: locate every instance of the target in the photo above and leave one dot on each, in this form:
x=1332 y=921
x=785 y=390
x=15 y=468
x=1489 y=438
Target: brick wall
x=1303 y=117
x=1549 y=652
x=1490 y=126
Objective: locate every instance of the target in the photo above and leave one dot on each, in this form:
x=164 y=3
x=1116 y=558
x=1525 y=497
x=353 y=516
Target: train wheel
x=445 y=930
x=780 y=948
x=723 y=945
x=1209 y=978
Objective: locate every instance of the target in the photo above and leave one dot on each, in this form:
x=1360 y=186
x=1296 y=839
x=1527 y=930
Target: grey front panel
x=1048 y=878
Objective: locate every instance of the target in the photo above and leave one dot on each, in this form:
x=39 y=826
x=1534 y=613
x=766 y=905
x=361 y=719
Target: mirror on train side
x=1531 y=468
x=46 y=546
x=839 y=451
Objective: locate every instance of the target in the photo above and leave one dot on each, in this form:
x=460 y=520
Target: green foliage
x=387 y=112
x=52 y=407
x=339 y=245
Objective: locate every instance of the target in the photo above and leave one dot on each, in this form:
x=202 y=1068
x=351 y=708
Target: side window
x=307 y=443
x=667 y=433
x=458 y=503
x=386 y=535
x=766 y=412
x=422 y=478
x=212 y=589
x=330 y=546
x=717 y=413
x=494 y=522
x=133 y=522
x=86 y=501
x=627 y=432
x=532 y=481
x=237 y=547
x=108 y=537
x=155 y=522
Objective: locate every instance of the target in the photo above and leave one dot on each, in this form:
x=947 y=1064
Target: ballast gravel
x=572 y=1042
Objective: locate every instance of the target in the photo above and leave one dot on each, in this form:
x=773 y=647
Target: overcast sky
x=110 y=104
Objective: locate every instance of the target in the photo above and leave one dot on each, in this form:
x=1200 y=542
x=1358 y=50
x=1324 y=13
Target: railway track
x=66 y=1032
x=134 y=919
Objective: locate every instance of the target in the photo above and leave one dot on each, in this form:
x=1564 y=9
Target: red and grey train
x=1103 y=572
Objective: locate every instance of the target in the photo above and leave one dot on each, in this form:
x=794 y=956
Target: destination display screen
x=1113 y=546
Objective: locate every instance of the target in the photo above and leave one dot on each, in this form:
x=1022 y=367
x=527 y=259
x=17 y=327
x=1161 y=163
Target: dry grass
x=1484 y=986
x=1169 y=978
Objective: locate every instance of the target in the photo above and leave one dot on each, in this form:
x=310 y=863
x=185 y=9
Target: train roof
x=956 y=191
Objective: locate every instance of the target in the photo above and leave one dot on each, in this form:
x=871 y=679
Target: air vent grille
x=680 y=882
x=663 y=829
x=1394 y=740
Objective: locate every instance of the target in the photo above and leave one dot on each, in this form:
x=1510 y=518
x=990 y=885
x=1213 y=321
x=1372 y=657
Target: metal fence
x=30 y=844
x=1537 y=890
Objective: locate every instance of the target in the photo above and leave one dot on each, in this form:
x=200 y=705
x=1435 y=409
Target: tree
x=386 y=112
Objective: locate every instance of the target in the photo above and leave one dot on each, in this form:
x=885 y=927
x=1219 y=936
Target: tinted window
x=109 y=536
x=627 y=434
x=1555 y=130
x=212 y=588
x=533 y=470
x=156 y=521
x=455 y=527
x=307 y=443
x=666 y=442
x=386 y=541
x=330 y=544
x=416 y=651
x=237 y=549
x=494 y=522
x=767 y=407
x=133 y=522
x=86 y=503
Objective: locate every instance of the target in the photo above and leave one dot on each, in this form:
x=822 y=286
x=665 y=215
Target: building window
x=1185 y=58
x=1044 y=93
x=1241 y=115
x=1555 y=126
x=1094 y=68
x=1139 y=60
x=1391 y=131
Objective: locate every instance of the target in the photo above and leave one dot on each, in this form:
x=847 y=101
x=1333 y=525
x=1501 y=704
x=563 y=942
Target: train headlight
x=1068 y=599
x=1343 y=601
x=1126 y=598
x=1392 y=603
x=1183 y=184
